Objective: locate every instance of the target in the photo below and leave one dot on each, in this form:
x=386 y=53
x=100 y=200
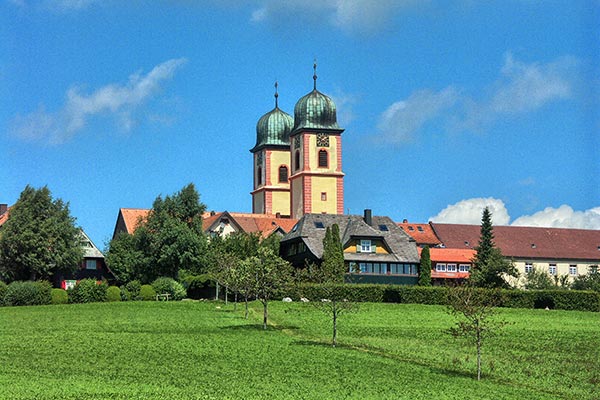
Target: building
x=376 y=250
x=558 y=251
x=92 y=265
x=422 y=233
x=297 y=162
x=450 y=265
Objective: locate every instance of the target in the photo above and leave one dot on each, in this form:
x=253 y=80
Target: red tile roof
x=250 y=223
x=527 y=242
x=445 y=255
x=422 y=233
x=4 y=217
x=132 y=217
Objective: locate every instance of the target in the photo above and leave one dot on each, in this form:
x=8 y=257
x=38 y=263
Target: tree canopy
x=40 y=238
x=425 y=267
x=170 y=239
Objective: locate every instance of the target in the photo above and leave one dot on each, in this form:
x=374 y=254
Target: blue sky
x=447 y=106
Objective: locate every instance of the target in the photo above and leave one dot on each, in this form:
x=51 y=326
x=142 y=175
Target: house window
x=90 y=264
x=259 y=176
x=552 y=269
x=528 y=267
x=283 y=174
x=440 y=267
x=323 y=196
x=420 y=229
x=323 y=159
x=572 y=269
x=365 y=246
x=464 y=268
x=297 y=161
x=451 y=268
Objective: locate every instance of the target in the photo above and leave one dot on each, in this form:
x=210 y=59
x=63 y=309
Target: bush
x=170 y=286
x=3 y=288
x=28 y=293
x=131 y=291
x=88 y=291
x=147 y=292
x=113 y=293
x=59 y=296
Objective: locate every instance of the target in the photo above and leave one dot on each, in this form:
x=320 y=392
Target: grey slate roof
x=402 y=247
x=89 y=248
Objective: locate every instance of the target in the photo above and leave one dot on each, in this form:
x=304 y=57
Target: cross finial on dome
x=276 y=94
x=315 y=74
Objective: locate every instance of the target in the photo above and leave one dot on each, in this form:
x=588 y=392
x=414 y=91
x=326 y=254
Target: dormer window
x=365 y=246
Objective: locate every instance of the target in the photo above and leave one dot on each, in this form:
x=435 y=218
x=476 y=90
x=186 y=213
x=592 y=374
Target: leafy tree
x=271 y=274
x=170 y=239
x=591 y=281
x=490 y=268
x=40 y=238
x=474 y=310
x=425 y=268
x=538 y=279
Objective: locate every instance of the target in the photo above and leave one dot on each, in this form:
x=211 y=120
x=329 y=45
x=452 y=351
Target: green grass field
x=193 y=350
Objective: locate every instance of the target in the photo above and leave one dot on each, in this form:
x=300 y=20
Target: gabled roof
x=129 y=219
x=311 y=229
x=89 y=248
x=422 y=233
x=266 y=224
x=527 y=242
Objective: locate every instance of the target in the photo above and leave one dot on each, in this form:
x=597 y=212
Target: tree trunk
x=265 y=313
x=225 y=295
x=334 y=309
x=235 y=302
x=246 y=301
x=217 y=292
x=478 y=355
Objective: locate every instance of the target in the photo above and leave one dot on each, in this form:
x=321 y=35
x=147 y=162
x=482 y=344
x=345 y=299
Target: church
x=297 y=161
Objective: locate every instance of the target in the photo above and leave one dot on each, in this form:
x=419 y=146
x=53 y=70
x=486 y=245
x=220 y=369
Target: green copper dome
x=315 y=110
x=273 y=129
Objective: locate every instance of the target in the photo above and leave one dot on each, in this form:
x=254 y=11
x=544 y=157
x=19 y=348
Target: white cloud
x=562 y=217
x=522 y=88
x=119 y=101
x=470 y=211
x=344 y=105
x=399 y=122
x=349 y=15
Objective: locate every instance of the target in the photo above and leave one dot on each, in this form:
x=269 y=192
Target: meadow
x=205 y=350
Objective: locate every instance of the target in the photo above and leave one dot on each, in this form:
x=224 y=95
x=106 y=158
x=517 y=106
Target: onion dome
x=315 y=110
x=273 y=128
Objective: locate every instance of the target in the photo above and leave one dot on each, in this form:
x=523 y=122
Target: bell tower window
x=323 y=159
x=259 y=176
x=297 y=160
x=283 y=174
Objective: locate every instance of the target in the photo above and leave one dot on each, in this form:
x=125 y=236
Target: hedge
x=59 y=296
x=147 y=292
x=88 y=291
x=3 y=289
x=170 y=286
x=28 y=293
x=553 y=299
x=113 y=293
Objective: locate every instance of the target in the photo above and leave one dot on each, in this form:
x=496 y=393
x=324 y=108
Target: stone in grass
x=287 y=300
x=304 y=300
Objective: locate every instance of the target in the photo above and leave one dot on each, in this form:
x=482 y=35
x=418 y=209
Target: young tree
x=490 y=268
x=537 y=279
x=40 y=238
x=591 y=281
x=330 y=275
x=425 y=268
x=474 y=310
x=271 y=274
x=124 y=257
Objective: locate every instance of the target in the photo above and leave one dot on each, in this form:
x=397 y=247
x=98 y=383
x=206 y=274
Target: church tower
x=317 y=180
x=271 y=160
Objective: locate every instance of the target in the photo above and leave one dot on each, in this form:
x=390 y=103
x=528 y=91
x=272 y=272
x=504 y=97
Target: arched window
x=323 y=159
x=258 y=176
x=283 y=174
x=297 y=161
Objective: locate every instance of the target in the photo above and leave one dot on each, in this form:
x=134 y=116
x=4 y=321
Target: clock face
x=322 y=140
x=297 y=142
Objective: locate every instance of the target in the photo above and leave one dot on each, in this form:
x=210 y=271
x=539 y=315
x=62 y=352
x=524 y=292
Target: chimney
x=212 y=213
x=405 y=221
x=278 y=215
x=3 y=208
x=368 y=216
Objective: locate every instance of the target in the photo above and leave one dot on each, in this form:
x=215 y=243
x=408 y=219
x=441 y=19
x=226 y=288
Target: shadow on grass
x=382 y=353
x=259 y=327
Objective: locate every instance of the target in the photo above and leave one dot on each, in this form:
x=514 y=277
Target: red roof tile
x=527 y=242
x=463 y=256
x=4 y=217
x=422 y=233
x=132 y=217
